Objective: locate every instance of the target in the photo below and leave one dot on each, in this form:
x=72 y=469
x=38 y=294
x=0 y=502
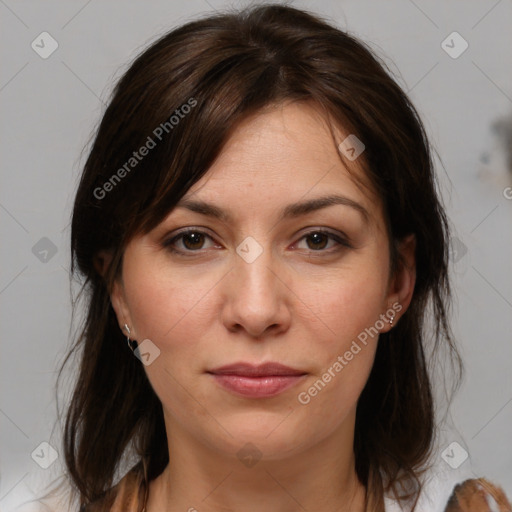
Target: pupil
x=317 y=238
x=194 y=238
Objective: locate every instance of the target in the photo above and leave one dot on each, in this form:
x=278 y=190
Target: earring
x=391 y=319
x=132 y=344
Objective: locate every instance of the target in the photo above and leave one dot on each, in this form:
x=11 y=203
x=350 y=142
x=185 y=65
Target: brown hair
x=226 y=67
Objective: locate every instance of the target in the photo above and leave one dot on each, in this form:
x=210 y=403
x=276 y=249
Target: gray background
x=49 y=108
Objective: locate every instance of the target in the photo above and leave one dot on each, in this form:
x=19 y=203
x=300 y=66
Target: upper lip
x=261 y=370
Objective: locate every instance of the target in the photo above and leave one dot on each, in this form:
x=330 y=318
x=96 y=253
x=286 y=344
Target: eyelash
x=168 y=244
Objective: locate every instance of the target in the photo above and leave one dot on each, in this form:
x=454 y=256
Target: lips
x=262 y=370
x=257 y=381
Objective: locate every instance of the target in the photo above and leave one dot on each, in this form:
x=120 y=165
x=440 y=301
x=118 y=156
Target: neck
x=199 y=478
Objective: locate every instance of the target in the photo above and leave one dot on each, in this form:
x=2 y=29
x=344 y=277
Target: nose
x=256 y=298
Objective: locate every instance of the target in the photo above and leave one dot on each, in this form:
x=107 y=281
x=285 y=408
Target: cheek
x=345 y=327
x=345 y=345
x=333 y=394
x=165 y=306
x=172 y=312
x=343 y=303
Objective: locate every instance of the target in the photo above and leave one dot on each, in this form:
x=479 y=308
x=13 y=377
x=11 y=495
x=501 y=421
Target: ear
x=101 y=263
x=401 y=285
x=118 y=300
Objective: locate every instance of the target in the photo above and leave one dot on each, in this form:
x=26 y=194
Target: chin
x=274 y=438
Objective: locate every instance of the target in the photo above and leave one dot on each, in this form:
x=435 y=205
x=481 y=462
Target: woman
x=258 y=221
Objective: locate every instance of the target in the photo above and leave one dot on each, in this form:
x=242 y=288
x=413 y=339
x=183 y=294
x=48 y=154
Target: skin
x=301 y=303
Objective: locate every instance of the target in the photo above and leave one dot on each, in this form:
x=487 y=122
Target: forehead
x=280 y=155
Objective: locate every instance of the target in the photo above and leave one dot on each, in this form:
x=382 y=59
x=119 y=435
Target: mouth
x=257 y=381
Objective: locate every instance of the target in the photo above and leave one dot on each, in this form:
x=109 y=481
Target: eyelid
x=340 y=238
x=170 y=239
x=186 y=230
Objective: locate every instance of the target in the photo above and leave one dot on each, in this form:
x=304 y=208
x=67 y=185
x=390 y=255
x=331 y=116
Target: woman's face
x=277 y=275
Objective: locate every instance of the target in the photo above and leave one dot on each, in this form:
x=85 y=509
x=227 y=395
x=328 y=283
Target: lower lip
x=257 y=387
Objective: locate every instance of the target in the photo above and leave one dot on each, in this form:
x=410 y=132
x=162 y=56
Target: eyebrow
x=291 y=211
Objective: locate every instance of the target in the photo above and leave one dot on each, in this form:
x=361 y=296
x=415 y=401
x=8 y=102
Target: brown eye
x=193 y=240
x=189 y=242
x=322 y=241
x=318 y=241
